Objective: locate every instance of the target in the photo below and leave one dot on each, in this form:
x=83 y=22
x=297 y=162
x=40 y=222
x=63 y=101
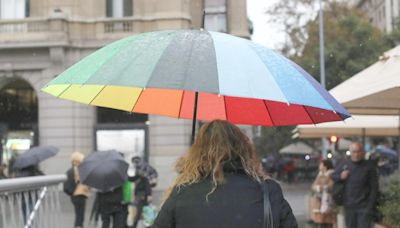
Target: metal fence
x=30 y=202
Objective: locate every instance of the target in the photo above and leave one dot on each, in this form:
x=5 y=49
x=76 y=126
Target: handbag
x=338 y=192
x=69 y=185
x=149 y=215
x=268 y=219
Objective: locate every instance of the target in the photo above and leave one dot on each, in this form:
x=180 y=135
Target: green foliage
x=351 y=41
x=351 y=44
x=390 y=207
x=273 y=139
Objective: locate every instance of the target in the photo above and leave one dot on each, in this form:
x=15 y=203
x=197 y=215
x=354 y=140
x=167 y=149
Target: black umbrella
x=34 y=156
x=103 y=170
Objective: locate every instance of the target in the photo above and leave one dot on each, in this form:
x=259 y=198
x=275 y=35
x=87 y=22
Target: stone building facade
x=41 y=38
x=384 y=14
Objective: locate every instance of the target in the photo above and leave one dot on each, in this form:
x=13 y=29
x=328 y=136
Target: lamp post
x=321 y=44
x=322 y=61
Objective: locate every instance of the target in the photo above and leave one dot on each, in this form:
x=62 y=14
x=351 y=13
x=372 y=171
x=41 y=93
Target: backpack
x=69 y=184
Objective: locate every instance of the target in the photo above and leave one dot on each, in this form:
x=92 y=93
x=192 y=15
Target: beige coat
x=81 y=189
x=323 y=209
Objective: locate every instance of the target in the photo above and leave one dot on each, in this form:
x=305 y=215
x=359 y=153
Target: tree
x=351 y=44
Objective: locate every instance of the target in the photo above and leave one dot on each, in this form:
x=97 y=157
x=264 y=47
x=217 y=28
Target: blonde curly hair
x=76 y=158
x=217 y=143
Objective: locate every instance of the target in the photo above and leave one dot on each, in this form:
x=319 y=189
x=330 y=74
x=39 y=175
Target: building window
x=14 y=9
x=215 y=19
x=119 y=8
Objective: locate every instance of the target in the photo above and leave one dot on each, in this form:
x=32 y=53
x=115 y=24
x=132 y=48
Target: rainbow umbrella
x=168 y=72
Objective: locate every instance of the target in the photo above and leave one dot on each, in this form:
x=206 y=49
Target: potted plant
x=389 y=205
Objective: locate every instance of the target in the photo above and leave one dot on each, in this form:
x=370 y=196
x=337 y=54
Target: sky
x=265 y=33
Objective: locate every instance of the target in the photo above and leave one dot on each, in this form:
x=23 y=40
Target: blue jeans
x=358 y=218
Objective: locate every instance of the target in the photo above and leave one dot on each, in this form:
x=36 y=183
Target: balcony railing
x=24 y=26
x=60 y=29
x=30 y=201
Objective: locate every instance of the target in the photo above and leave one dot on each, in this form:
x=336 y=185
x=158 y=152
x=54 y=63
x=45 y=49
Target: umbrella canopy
x=358 y=125
x=298 y=148
x=236 y=80
x=103 y=170
x=375 y=90
x=386 y=151
x=34 y=156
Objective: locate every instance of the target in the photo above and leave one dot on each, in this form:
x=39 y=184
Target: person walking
x=110 y=207
x=28 y=202
x=220 y=184
x=142 y=194
x=360 y=178
x=80 y=192
x=324 y=210
x=146 y=170
x=3 y=168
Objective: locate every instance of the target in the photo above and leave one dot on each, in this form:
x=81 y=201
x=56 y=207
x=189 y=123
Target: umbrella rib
x=97 y=94
x=226 y=112
x=269 y=113
x=59 y=95
x=180 y=106
x=137 y=100
x=312 y=120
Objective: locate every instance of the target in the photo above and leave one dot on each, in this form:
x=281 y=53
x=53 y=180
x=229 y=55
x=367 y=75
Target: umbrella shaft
x=196 y=96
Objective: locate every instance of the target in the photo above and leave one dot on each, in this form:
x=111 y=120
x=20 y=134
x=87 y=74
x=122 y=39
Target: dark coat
x=238 y=203
x=142 y=186
x=361 y=187
x=110 y=201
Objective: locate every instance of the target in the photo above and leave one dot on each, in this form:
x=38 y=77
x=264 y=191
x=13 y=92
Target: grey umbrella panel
x=34 y=156
x=103 y=170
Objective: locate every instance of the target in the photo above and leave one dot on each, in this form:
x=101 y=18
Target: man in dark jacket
x=361 y=187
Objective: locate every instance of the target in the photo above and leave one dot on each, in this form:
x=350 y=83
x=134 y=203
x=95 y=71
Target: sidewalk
x=67 y=210
x=295 y=194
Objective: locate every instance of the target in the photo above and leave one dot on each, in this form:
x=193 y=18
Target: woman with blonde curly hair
x=220 y=184
x=81 y=191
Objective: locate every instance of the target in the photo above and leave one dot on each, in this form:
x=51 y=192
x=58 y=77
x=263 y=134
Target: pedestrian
x=289 y=169
x=3 y=168
x=360 y=178
x=220 y=184
x=323 y=210
x=80 y=192
x=27 y=202
x=110 y=207
x=29 y=171
x=145 y=169
x=142 y=194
